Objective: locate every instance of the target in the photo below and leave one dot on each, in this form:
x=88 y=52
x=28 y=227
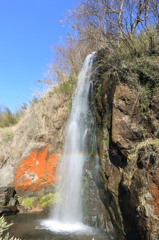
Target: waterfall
x=71 y=166
x=67 y=213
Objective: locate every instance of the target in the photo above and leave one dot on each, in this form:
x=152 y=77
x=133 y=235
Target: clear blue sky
x=28 y=29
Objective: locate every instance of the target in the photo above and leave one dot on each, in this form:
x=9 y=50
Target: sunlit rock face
x=36 y=171
x=127 y=139
x=29 y=151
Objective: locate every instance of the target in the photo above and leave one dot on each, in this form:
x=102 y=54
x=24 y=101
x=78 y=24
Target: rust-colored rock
x=37 y=171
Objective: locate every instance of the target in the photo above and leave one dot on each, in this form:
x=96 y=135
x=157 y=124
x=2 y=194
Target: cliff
x=127 y=140
x=29 y=151
x=127 y=130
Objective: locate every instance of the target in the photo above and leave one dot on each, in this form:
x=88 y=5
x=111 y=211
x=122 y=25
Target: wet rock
x=8 y=210
x=125 y=130
x=128 y=179
x=30 y=151
x=6 y=193
x=13 y=201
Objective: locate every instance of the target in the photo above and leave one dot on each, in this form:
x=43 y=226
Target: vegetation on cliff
x=125 y=35
x=127 y=31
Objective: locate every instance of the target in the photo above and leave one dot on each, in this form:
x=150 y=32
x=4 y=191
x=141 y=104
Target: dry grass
x=43 y=123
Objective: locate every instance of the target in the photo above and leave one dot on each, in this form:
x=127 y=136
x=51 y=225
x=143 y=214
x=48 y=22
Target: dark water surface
x=29 y=227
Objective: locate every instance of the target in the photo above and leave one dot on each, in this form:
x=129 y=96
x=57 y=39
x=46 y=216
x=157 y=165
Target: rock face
x=6 y=193
x=127 y=139
x=127 y=145
x=8 y=201
x=8 y=210
x=29 y=151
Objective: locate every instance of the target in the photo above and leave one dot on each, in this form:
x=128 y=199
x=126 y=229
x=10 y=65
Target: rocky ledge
x=8 y=201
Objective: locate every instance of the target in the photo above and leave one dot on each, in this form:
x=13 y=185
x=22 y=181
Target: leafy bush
x=134 y=60
x=65 y=87
x=8 y=137
x=7 y=118
x=50 y=199
x=3 y=227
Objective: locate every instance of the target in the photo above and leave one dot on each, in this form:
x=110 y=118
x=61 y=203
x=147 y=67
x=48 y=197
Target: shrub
x=134 y=60
x=65 y=87
x=7 y=118
x=3 y=227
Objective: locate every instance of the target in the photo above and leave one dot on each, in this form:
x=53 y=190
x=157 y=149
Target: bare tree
x=100 y=24
x=115 y=18
x=68 y=57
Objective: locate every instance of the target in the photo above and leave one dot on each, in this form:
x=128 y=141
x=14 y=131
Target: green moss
x=47 y=203
x=28 y=202
x=50 y=199
x=85 y=185
x=38 y=201
x=98 y=93
x=107 y=141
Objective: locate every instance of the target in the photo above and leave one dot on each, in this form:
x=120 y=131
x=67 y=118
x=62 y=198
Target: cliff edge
x=127 y=140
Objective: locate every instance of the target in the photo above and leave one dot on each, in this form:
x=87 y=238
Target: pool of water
x=39 y=227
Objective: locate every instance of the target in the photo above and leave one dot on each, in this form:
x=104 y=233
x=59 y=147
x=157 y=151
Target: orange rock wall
x=37 y=171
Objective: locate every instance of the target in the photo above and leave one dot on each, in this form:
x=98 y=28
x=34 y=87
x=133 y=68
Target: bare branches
x=69 y=56
x=115 y=18
x=100 y=24
x=142 y=13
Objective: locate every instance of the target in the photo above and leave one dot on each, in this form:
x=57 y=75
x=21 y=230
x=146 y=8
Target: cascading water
x=77 y=164
x=71 y=169
x=69 y=210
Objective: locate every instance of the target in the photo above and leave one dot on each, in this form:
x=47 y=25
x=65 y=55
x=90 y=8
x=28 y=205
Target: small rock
x=8 y=210
x=5 y=195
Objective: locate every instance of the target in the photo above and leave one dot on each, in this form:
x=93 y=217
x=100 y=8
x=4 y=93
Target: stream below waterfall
x=28 y=227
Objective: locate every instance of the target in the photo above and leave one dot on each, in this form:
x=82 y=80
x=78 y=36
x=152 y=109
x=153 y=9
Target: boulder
x=8 y=210
x=6 y=193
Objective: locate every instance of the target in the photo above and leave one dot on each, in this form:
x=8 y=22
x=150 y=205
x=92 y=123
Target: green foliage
x=34 y=101
x=134 y=60
x=85 y=184
x=66 y=87
x=7 y=118
x=50 y=199
x=3 y=227
x=99 y=90
x=44 y=201
x=107 y=142
x=145 y=97
x=28 y=202
x=8 y=137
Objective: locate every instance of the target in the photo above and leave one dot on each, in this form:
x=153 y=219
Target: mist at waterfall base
x=67 y=214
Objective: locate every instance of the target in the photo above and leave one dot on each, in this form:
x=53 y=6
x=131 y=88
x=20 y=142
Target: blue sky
x=28 y=29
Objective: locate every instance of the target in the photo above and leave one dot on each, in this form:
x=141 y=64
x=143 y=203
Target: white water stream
x=66 y=219
x=69 y=213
